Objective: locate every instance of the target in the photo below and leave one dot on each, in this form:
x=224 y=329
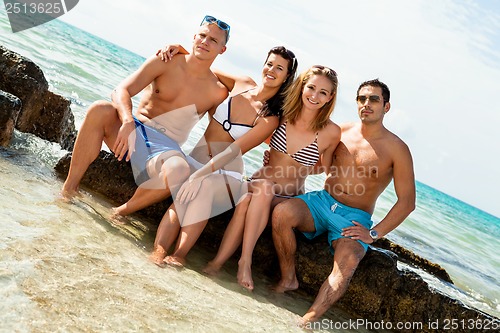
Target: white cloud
x=440 y=59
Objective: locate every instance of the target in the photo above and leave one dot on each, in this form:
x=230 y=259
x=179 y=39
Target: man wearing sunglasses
x=176 y=94
x=365 y=161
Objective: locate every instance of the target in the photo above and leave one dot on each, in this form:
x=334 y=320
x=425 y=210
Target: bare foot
x=304 y=323
x=174 y=261
x=245 y=275
x=306 y=320
x=117 y=218
x=212 y=269
x=157 y=256
x=68 y=196
x=284 y=286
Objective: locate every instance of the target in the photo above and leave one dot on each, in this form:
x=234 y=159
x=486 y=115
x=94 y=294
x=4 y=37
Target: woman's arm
x=241 y=83
x=334 y=134
x=264 y=127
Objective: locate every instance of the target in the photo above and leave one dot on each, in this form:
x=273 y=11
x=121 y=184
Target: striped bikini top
x=307 y=156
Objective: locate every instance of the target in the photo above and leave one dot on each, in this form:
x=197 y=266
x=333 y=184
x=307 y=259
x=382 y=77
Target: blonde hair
x=293 y=97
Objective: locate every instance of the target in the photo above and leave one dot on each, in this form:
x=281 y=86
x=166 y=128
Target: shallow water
x=65 y=267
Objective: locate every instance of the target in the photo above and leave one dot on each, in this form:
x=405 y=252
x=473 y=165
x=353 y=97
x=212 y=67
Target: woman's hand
x=169 y=51
x=189 y=190
x=265 y=158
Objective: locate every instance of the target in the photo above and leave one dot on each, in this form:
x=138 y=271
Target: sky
x=440 y=59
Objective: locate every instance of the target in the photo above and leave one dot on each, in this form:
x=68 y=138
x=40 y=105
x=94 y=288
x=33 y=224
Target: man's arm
x=122 y=100
x=135 y=83
x=404 y=185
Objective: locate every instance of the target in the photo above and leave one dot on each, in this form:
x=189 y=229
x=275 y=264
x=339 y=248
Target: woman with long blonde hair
x=305 y=134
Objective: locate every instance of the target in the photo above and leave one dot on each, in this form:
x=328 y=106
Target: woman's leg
x=233 y=236
x=212 y=199
x=167 y=232
x=257 y=218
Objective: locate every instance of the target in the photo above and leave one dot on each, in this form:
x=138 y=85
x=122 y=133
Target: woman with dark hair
x=244 y=120
x=305 y=134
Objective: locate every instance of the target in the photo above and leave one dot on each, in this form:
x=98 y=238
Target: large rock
x=10 y=106
x=378 y=291
x=112 y=178
x=43 y=113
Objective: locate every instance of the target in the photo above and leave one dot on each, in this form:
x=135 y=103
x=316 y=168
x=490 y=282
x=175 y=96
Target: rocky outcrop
x=43 y=113
x=114 y=179
x=379 y=290
x=411 y=258
x=10 y=106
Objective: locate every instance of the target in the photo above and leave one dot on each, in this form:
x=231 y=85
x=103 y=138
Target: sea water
x=66 y=268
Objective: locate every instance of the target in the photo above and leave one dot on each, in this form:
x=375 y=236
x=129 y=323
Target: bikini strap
x=229 y=104
x=256 y=118
x=208 y=147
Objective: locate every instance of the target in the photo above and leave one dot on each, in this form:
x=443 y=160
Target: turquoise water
x=459 y=237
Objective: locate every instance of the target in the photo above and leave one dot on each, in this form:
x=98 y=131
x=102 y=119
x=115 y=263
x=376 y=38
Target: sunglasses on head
x=371 y=98
x=327 y=69
x=222 y=25
x=292 y=56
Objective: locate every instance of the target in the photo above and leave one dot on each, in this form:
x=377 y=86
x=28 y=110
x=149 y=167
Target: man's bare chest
x=359 y=160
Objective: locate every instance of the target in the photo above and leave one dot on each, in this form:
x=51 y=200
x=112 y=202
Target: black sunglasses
x=221 y=24
x=371 y=98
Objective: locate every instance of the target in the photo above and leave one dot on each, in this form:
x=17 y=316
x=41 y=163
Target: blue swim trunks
x=331 y=216
x=149 y=142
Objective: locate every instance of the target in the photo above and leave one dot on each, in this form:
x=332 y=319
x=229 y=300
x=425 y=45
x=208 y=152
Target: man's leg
x=101 y=123
x=348 y=254
x=173 y=171
x=290 y=214
x=141 y=199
